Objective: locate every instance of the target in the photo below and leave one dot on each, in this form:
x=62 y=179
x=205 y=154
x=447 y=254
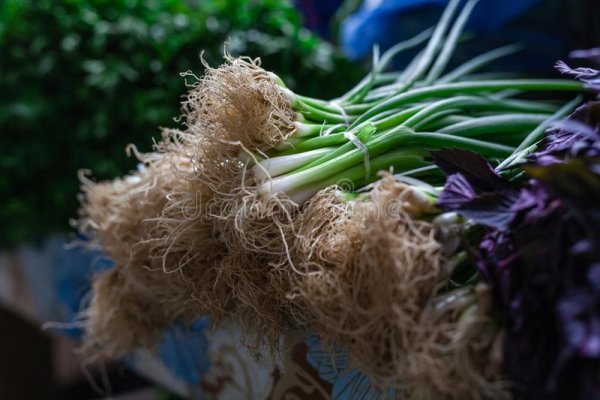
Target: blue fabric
x=59 y=277
x=74 y=268
x=387 y=22
x=184 y=351
x=332 y=367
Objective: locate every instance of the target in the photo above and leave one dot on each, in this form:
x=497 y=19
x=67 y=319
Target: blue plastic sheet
x=534 y=23
x=183 y=349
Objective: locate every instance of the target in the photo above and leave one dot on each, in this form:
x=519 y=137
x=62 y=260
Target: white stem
x=276 y=166
x=447 y=219
x=276 y=78
x=303 y=129
x=303 y=195
x=289 y=95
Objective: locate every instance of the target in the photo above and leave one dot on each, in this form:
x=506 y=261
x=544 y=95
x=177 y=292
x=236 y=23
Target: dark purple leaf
x=581 y=325
x=593 y=276
x=575 y=127
x=576 y=137
x=592 y=55
x=588 y=113
x=541 y=250
x=534 y=203
x=544 y=160
x=577 y=185
x=582 y=73
x=589 y=76
x=497 y=253
x=478 y=172
x=457 y=192
x=493 y=210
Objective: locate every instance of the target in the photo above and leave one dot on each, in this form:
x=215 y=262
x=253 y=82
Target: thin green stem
x=448 y=49
x=477 y=103
x=399 y=117
x=359 y=91
x=433 y=45
x=299 y=146
x=319 y=115
x=478 y=63
x=380 y=144
x=306 y=130
x=536 y=135
x=275 y=166
x=363 y=135
x=493 y=124
x=450 y=89
x=327 y=106
x=355 y=177
x=435 y=121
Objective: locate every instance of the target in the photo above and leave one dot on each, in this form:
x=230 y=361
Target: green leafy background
x=79 y=80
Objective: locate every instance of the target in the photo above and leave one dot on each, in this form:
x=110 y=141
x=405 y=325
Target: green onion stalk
x=388 y=121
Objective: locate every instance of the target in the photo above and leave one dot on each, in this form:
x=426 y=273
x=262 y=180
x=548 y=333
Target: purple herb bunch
x=540 y=249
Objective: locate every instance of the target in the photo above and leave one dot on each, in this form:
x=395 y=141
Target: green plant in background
x=79 y=80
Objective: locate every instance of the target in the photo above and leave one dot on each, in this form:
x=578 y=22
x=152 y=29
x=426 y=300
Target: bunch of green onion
x=389 y=120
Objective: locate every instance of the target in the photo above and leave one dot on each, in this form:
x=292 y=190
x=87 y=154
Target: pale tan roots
x=152 y=226
x=366 y=278
x=240 y=102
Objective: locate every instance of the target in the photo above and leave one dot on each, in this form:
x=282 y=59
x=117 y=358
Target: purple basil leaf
x=472 y=166
x=496 y=254
x=593 y=276
x=544 y=160
x=577 y=185
x=582 y=73
x=577 y=127
x=457 y=192
x=589 y=114
x=542 y=253
x=589 y=76
x=534 y=203
x=592 y=55
x=580 y=327
x=493 y=210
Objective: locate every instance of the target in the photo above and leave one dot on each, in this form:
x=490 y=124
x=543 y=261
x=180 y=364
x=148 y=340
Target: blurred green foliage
x=79 y=80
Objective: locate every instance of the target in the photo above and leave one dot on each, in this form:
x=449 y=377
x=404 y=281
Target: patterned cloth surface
x=51 y=281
